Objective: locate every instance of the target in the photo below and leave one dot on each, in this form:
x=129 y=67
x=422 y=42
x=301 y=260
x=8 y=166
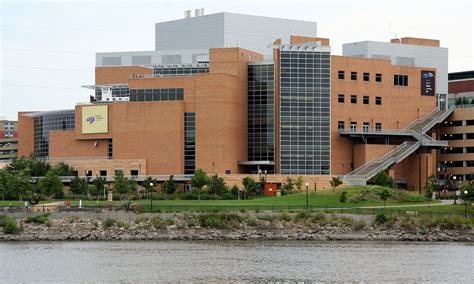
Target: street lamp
x=454 y=190
x=307 y=192
x=465 y=203
x=151 y=196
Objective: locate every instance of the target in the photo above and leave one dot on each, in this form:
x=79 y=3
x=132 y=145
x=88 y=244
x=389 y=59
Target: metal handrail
x=439 y=119
x=178 y=177
x=422 y=118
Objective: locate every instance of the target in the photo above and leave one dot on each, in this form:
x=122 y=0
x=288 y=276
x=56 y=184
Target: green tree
x=63 y=170
x=384 y=195
x=92 y=189
x=343 y=198
x=299 y=183
x=29 y=165
x=170 y=186
x=250 y=186
x=217 y=186
x=335 y=182
x=383 y=179
x=100 y=183
x=234 y=190
x=200 y=179
x=51 y=185
x=78 y=186
x=288 y=186
x=123 y=185
x=149 y=184
x=431 y=186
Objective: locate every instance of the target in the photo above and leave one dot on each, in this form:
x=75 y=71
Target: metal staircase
x=418 y=130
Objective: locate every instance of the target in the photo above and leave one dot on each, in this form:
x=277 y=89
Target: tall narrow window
x=366 y=77
x=365 y=127
x=340 y=75
x=189 y=142
x=378 y=77
x=353 y=126
x=353 y=75
x=340 y=98
x=110 y=147
x=378 y=100
x=353 y=99
x=340 y=125
x=366 y=100
x=378 y=127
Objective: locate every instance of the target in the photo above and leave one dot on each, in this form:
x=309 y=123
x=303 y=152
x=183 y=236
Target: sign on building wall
x=428 y=83
x=95 y=119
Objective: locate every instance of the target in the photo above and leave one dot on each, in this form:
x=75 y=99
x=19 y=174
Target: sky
x=48 y=48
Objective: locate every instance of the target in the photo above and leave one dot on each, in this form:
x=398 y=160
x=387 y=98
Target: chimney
x=187 y=14
x=197 y=12
x=202 y=11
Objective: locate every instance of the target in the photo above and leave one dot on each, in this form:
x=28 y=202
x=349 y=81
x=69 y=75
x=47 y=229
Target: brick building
x=293 y=110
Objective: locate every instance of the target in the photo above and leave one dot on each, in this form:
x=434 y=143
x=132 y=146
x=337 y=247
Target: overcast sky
x=47 y=48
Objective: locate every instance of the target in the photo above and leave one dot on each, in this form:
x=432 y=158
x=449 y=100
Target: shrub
x=359 y=225
x=218 y=221
x=190 y=220
x=170 y=221
x=2 y=219
x=108 y=223
x=303 y=215
x=122 y=224
x=252 y=221
x=157 y=221
x=381 y=218
x=74 y=219
x=318 y=217
x=10 y=226
x=383 y=179
x=38 y=219
x=284 y=217
x=266 y=218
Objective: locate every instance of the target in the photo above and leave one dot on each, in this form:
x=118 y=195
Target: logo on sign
x=90 y=119
x=428 y=75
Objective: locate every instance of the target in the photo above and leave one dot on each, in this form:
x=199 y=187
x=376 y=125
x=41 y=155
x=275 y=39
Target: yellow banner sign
x=95 y=119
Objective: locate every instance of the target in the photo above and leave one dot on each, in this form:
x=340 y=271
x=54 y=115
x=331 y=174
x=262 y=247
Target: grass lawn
x=327 y=198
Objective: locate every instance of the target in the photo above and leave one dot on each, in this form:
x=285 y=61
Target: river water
x=236 y=261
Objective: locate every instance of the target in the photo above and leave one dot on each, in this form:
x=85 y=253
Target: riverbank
x=245 y=226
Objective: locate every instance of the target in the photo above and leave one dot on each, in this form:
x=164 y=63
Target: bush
x=359 y=225
x=266 y=218
x=37 y=219
x=284 y=217
x=383 y=179
x=108 y=223
x=74 y=219
x=381 y=218
x=170 y=221
x=10 y=226
x=157 y=221
x=122 y=224
x=303 y=215
x=252 y=221
x=218 y=221
x=318 y=217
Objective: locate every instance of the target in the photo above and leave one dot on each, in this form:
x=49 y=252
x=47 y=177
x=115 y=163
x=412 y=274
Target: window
x=366 y=100
x=378 y=77
x=378 y=127
x=353 y=75
x=365 y=127
x=353 y=99
x=154 y=95
x=400 y=80
x=353 y=126
x=102 y=173
x=340 y=125
x=378 y=100
x=340 y=98
x=366 y=76
x=340 y=75
x=134 y=172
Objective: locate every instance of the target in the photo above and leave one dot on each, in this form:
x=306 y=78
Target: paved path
x=443 y=202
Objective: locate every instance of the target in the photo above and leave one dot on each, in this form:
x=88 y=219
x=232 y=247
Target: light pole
x=151 y=196
x=307 y=196
x=454 y=190
x=465 y=203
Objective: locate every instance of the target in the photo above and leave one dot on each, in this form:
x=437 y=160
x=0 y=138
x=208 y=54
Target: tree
x=288 y=186
x=30 y=165
x=234 y=190
x=200 y=179
x=343 y=198
x=92 y=189
x=335 y=182
x=431 y=186
x=384 y=195
x=250 y=186
x=63 y=170
x=78 y=185
x=170 y=186
x=217 y=186
x=299 y=183
x=383 y=179
x=123 y=185
x=100 y=183
x=51 y=185
x=149 y=184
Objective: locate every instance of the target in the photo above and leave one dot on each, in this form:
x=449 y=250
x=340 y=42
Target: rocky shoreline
x=232 y=227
